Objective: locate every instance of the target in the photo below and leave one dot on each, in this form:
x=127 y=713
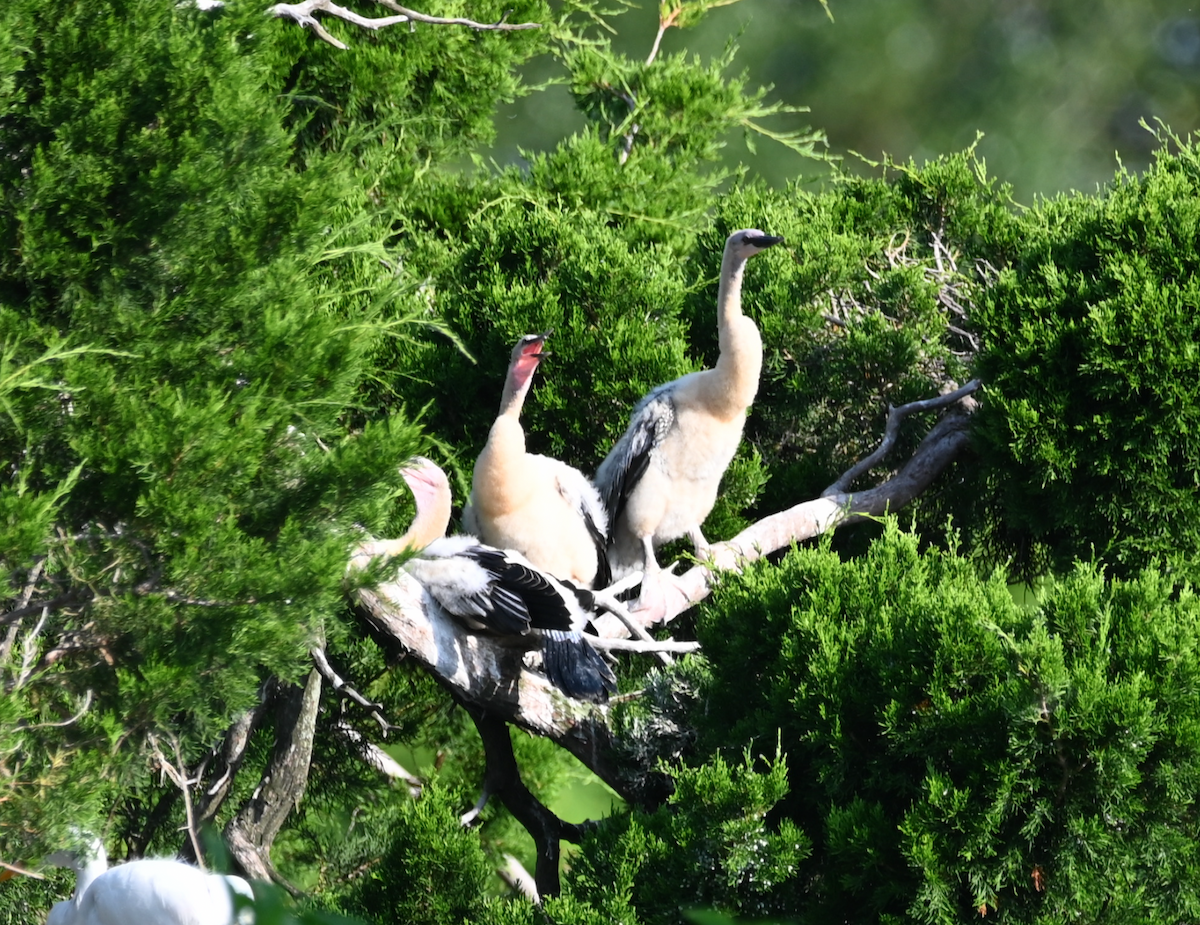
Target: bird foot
x=662 y=597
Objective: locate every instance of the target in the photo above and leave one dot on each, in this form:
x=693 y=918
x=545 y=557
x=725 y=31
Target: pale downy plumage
x=152 y=891
x=542 y=508
x=495 y=589
x=660 y=480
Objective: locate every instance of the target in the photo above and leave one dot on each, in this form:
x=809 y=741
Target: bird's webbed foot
x=662 y=596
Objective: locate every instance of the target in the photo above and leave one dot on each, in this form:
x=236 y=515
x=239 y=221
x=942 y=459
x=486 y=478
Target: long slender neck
x=87 y=871
x=740 y=361
x=502 y=480
x=433 y=517
x=729 y=294
x=516 y=387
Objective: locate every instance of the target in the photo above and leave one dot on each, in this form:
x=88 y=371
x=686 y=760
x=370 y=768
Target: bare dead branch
x=178 y=773
x=13 y=617
x=664 y=23
x=338 y=684
x=653 y=646
x=29 y=651
x=74 y=597
x=302 y=13
x=24 y=872
x=519 y=879
x=252 y=831
x=895 y=417
x=87 y=702
x=501 y=25
x=229 y=759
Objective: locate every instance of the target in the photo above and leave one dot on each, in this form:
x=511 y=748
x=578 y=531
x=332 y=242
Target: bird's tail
x=575 y=668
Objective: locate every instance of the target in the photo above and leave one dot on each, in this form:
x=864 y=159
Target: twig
x=69 y=597
x=28 y=651
x=302 y=13
x=501 y=25
x=377 y=758
x=617 y=644
x=895 y=416
x=87 y=702
x=176 y=598
x=179 y=779
x=339 y=684
x=630 y=100
x=663 y=26
x=469 y=817
x=24 y=872
x=35 y=573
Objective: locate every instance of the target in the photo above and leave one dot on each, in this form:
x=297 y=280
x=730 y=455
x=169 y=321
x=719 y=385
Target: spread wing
x=625 y=464
x=472 y=582
x=500 y=590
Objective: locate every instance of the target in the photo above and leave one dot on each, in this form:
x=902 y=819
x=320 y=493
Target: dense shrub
x=949 y=750
x=1091 y=425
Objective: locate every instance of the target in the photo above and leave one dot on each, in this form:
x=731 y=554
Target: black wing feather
x=544 y=603
x=575 y=668
x=652 y=418
x=603 y=570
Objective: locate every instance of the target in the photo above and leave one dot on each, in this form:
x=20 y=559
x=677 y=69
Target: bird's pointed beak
x=534 y=345
x=763 y=241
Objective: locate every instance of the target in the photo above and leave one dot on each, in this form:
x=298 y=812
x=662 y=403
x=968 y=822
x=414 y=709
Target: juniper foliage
x=1093 y=345
x=244 y=274
x=951 y=751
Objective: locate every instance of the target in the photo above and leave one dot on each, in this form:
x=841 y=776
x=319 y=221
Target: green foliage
x=949 y=750
x=23 y=899
x=709 y=846
x=175 y=381
x=412 y=861
x=1091 y=426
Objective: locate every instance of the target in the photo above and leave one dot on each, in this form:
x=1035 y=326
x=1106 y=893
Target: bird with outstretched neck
x=659 y=482
x=538 y=506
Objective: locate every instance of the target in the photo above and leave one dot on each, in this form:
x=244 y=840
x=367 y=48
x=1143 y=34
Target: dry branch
x=377 y=758
x=303 y=14
x=252 y=831
x=228 y=760
x=339 y=686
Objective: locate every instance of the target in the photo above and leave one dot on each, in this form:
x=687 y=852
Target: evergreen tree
x=245 y=274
